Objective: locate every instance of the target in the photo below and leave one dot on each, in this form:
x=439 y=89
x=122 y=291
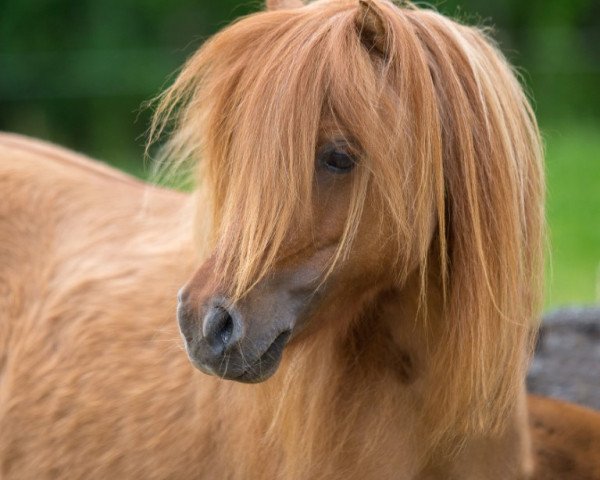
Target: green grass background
x=573 y=213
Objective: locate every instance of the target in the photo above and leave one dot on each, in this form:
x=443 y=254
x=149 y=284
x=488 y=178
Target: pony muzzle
x=234 y=342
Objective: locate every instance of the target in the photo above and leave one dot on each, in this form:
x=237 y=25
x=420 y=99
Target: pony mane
x=432 y=104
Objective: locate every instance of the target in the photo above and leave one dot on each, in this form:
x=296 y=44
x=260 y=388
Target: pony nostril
x=217 y=328
x=227 y=328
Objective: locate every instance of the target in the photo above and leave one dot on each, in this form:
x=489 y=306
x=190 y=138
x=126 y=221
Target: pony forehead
x=278 y=64
x=278 y=70
x=292 y=73
x=277 y=50
x=281 y=76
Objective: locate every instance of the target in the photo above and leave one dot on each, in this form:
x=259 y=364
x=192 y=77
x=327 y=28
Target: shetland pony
x=362 y=257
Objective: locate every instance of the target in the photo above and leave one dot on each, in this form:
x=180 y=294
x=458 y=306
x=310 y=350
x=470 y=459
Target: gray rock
x=566 y=364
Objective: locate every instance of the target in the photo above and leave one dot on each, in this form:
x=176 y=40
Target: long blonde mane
x=433 y=104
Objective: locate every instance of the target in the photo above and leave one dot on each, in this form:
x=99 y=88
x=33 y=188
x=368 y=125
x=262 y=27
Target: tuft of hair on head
x=371 y=25
x=448 y=137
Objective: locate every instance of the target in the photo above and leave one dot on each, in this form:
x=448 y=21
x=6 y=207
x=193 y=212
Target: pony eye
x=337 y=160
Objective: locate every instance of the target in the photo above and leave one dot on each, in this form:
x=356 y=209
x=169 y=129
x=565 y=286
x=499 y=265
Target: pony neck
x=351 y=398
x=358 y=400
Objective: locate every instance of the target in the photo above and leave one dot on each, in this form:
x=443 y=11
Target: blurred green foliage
x=573 y=212
x=78 y=72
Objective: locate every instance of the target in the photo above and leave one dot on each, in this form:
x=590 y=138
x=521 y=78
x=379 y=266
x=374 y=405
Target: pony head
x=346 y=149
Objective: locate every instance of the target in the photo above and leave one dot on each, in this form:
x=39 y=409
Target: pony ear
x=283 y=4
x=371 y=26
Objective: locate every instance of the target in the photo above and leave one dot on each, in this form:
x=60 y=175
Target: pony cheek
x=337 y=307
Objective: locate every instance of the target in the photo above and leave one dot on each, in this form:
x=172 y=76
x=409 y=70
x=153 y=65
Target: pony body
x=421 y=260
x=94 y=383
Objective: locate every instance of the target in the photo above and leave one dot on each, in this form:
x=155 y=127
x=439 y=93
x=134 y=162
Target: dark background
x=77 y=73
